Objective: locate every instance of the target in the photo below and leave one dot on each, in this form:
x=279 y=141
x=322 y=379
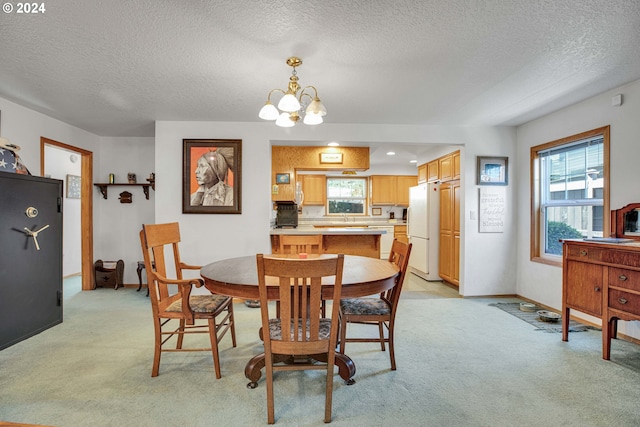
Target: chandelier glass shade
x=296 y=101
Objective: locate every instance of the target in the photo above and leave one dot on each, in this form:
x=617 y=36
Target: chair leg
x=343 y=333
x=157 y=348
x=269 y=378
x=214 y=346
x=329 y=393
x=381 y=331
x=233 y=324
x=392 y=354
x=181 y=334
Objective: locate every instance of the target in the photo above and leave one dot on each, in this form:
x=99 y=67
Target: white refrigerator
x=423 y=222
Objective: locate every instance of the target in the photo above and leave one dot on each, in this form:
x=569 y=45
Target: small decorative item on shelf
x=125 y=197
x=152 y=180
x=131 y=177
x=112 y=178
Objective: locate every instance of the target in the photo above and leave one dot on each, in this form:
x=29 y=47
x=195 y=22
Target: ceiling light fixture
x=294 y=100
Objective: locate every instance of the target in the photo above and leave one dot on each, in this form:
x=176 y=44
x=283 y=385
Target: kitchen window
x=570 y=189
x=346 y=196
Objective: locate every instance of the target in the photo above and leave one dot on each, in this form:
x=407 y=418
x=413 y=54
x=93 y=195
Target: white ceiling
x=114 y=67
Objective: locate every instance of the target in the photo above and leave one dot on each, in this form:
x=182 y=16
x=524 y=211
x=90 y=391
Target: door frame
x=86 y=205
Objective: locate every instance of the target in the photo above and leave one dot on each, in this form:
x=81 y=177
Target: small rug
x=532 y=318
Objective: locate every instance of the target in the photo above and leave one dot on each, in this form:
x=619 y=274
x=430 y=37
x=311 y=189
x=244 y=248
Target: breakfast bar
x=363 y=241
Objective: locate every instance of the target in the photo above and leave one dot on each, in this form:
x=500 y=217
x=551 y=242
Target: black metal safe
x=30 y=256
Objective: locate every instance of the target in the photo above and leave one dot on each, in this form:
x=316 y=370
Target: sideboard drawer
x=624 y=301
x=584 y=253
x=623 y=278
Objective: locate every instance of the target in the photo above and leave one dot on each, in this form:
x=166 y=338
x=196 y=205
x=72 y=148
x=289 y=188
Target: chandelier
x=295 y=100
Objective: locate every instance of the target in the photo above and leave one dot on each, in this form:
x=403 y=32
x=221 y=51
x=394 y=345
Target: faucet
x=346 y=218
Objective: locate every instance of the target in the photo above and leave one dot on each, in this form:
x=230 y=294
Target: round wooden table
x=238 y=277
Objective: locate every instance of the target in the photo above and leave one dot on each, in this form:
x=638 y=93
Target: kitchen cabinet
x=422 y=173
x=449 y=252
x=445 y=167
x=455 y=158
x=391 y=189
x=433 y=172
x=314 y=189
x=403 y=183
x=602 y=280
x=400 y=233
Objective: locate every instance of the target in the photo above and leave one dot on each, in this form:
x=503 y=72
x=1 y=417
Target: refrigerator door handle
x=408 y=221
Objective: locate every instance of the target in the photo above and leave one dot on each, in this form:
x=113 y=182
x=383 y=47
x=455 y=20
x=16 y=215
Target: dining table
x=238 y=278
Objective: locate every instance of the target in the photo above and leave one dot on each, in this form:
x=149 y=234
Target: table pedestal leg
x=346 y=367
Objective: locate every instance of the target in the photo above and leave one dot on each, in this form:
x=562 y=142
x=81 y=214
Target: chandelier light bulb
x=289 y=103
x=312 y=119
x=284 y=121
x=269 y=112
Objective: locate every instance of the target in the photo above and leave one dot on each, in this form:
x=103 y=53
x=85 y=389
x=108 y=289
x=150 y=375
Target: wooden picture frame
x=212 y=176
x=283 y=178
x=331 y=158
x=493 y=170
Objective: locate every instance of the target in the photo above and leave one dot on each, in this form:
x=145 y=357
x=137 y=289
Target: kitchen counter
x=362 y=241
x=328 y=231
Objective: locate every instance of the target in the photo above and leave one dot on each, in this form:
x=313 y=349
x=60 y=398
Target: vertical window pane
x=346 y=195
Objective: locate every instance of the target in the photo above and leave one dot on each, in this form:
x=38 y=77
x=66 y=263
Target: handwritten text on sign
x=493 y=207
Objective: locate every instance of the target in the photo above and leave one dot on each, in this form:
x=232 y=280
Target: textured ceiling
x=114 y=67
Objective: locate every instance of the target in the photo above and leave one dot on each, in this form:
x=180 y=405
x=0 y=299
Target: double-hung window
x=570 y=189
x=346 y=196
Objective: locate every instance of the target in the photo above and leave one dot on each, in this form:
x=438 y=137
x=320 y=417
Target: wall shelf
x=145 y=187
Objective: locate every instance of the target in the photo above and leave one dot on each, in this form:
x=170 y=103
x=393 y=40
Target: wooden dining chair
x=291 y=244
x=168 y=297
x=301 y=244
x=377 y=311
x=300 y=329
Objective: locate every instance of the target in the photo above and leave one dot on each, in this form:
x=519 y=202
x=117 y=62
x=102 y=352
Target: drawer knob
x=597 y=289
x=622 y=301
x=583 y=252
x=622 y=277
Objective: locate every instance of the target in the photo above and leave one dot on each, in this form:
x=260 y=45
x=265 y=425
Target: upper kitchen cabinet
x=290 y=159
x=456 y=164
x=433 y=171
x=445 y=166
x=422 y=173
x=391 y=189
x=314 y=189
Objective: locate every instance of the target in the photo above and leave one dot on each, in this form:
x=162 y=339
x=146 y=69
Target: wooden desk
x=238 y=277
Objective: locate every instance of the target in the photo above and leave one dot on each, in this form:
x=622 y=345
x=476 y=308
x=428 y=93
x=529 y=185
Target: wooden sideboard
x=603 y=280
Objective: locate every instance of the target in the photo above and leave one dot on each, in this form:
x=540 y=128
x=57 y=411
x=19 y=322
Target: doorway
x=86 y=204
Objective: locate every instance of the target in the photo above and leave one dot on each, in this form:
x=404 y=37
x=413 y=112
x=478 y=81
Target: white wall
x=209 y=238
x=117 y=224
x=24 y=127
x=543 y=283
x=58 y=166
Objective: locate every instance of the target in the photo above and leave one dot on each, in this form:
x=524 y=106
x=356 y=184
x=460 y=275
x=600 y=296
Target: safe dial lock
x=31 y=212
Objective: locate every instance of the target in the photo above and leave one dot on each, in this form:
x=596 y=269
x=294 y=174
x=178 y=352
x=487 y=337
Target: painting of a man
x=211 y=175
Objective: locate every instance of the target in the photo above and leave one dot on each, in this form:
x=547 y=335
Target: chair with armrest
x=377 y=311
x=299 y=329
x=168 y=304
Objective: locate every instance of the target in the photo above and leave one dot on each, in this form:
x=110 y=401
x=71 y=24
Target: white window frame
x=363 y=198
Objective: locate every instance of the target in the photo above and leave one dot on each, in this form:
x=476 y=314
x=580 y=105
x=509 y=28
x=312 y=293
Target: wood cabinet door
x=422 y=173
x=584 y=288
x=383 y=189
x=445 y=256
x=455 y=252
x=433 y=173
x=400 y=233
x=314 y=188
x=403 y=183
x=456 y=165
x=445 y=164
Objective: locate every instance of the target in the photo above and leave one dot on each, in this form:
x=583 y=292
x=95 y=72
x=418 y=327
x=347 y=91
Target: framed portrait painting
x=212 y=176
x=493 y=170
